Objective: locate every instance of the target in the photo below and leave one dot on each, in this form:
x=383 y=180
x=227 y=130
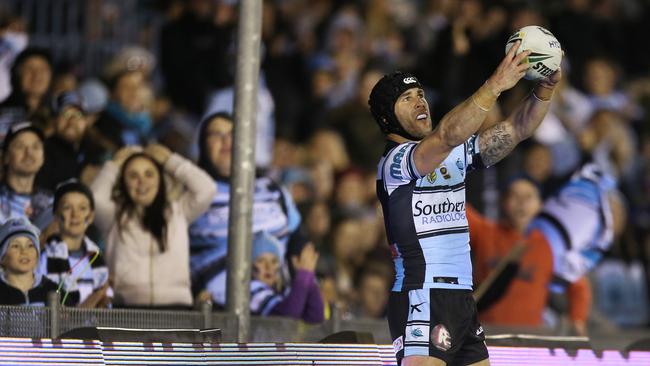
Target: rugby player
x=421 y=186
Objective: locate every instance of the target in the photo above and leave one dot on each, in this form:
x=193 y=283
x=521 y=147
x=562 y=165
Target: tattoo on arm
x=495 y=143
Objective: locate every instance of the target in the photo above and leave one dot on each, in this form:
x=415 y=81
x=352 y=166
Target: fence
x=86 y=32
x=275 y=340
x=42 y=322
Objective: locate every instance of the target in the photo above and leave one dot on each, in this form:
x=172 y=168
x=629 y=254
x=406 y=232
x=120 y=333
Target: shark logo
x=417 y=333
x=459 y=165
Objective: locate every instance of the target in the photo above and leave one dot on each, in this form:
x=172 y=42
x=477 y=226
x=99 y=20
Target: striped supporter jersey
x=425 y=218
x=577 y=222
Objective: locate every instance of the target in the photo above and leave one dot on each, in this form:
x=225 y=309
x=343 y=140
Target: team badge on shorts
x=440 y=337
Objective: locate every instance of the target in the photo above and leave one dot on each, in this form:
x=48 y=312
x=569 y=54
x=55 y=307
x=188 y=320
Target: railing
x=50 y=322
x=39 y=322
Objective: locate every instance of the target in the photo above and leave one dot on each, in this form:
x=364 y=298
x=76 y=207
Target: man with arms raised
x=432 y=315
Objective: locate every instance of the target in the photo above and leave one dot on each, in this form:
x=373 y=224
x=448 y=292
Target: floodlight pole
x=243 y=165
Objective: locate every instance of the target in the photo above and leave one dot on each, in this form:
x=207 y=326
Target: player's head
x=397 y=102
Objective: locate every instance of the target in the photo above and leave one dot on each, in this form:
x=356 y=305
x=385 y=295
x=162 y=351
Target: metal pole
x=55 y=308
x=243 y=165
x=206 y=313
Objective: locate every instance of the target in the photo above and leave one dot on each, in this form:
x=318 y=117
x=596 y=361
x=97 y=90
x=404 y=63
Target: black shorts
x=440 y=323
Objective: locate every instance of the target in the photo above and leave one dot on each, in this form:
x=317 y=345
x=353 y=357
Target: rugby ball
x=546 y=51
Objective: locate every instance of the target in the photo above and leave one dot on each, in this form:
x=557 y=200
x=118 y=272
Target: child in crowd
x=301 y=300
x=70 y=258
x=21 y=283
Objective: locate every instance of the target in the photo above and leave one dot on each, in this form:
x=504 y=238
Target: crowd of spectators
x=144 y=223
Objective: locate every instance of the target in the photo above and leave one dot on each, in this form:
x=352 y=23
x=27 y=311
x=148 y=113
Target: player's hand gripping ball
x=546 y=51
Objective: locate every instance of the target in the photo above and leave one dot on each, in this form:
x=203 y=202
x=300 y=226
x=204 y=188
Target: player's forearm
x=465 y=119
x=528 y=116
x=498 y=141
x=455 y=128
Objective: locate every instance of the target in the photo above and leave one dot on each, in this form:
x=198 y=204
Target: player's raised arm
x=464 y=120
x=499 y=140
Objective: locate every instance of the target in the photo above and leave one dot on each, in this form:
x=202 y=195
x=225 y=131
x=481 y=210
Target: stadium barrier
x=26 y=351
x=275 y=341
x=50 y=322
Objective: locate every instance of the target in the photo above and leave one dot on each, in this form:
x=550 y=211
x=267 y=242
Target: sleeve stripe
x=411 y=164
x=465 y=154
x=473 y=155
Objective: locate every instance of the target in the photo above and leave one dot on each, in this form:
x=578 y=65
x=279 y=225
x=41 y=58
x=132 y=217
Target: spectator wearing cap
x=301 y=300
x=21 y=282
x=70 y=258
x=31 y=76
x=68 y=150
x=22 y=158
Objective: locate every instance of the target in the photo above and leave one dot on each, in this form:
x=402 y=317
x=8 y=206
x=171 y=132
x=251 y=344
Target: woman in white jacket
x=147 y=245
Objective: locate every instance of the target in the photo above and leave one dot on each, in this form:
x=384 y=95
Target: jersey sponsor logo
x=417 y=333
x=396 y=165
x=441 y=338
x=410 y=80
x=447 y=206
x=479 y=330
x=447 y=211
x=398 y=344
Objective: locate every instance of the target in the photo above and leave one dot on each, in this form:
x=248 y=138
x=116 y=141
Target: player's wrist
x=493 y=86
x=486 y=96
x=544 y=89
x=543 y=92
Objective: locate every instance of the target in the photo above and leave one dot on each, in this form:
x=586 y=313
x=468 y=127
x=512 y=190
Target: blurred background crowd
x=160 y=72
